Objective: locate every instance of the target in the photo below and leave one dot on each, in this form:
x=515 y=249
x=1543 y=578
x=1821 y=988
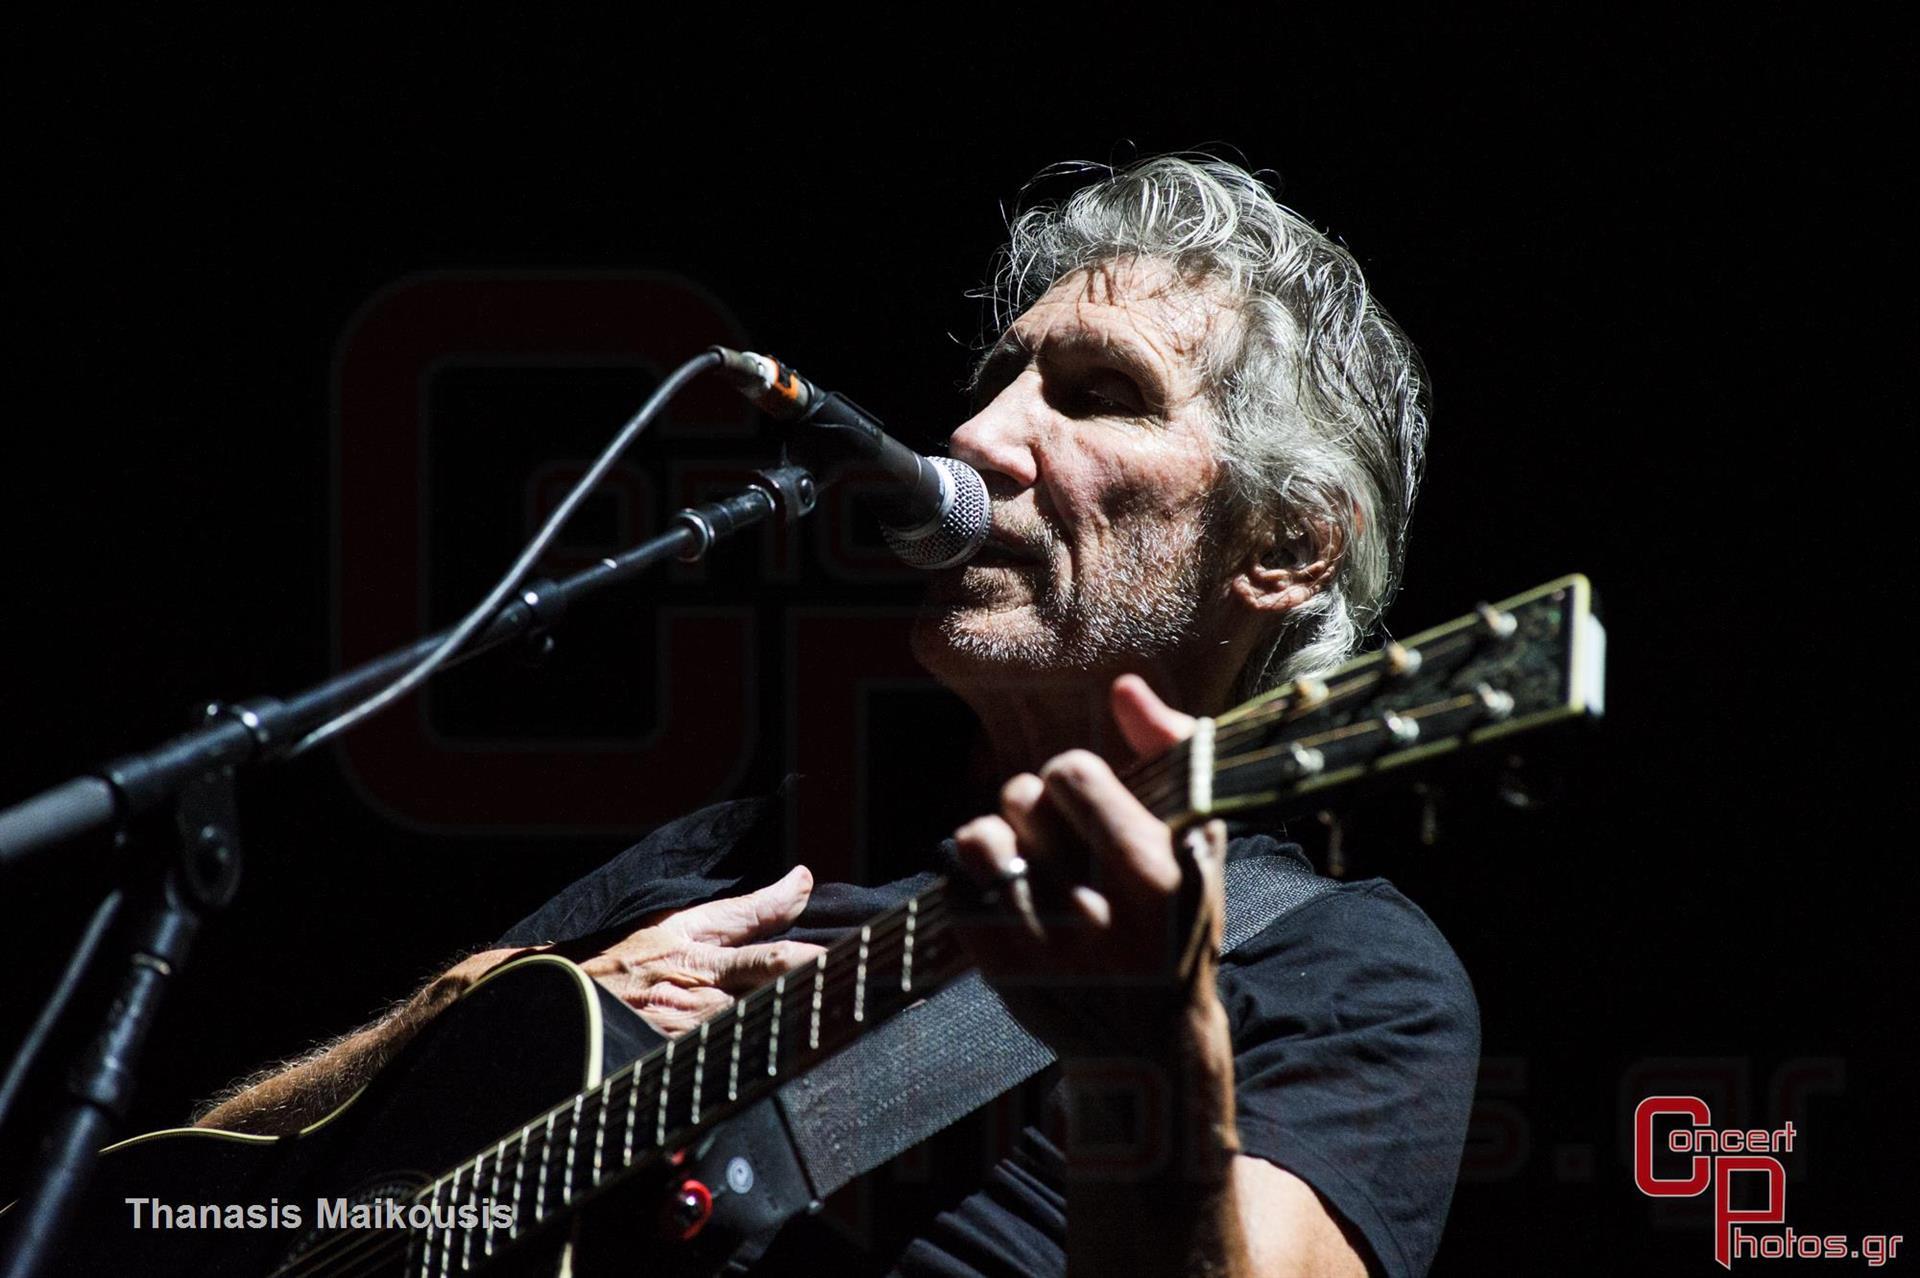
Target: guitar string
x=355 y=1248
x=1157 y=790
x=881 y=933
x=535 y=1146
x=1151 y=782
x=1177 y=755
x=930 y=921
x=1159 y=781
x=1164 y=767
x=1155 y=773
x=530 y=1144
x=533 y=1141
x=880 y=952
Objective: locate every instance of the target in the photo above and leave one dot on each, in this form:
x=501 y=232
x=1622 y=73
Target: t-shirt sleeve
x=1356 y=1046
x=695 y=858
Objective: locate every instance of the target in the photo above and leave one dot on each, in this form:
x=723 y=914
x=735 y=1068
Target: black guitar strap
x=940 y=1060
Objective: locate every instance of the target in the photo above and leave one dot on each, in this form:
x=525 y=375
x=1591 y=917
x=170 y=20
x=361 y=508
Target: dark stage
x=314 y=325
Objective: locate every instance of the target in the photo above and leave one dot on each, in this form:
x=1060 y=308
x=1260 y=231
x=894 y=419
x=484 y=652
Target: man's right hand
x=681 y=967
x=675 y=970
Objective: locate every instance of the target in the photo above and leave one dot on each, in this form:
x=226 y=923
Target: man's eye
x=1110 y=397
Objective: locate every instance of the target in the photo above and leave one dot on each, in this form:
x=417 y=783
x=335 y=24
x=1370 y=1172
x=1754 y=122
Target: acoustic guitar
x=536 y=1127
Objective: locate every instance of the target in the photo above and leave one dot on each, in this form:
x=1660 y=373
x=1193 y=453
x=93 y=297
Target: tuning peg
x=1500 y=625
x=1403 y=730
x=1306 y=760
x=1401 y=660
x=1308 y=694
x=1497 y=704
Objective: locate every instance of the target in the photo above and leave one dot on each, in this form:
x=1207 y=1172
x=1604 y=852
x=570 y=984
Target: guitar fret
x=773 y=1028
x=633 y=1113
x=519 y=1176
x=466 y=1235
x=426 y=1239
x=600 y=1132
x=493 y=1192
x=906 y=957
x=546 y=1156
x=573 y=1146
x=446 y=1233
x=860 y=978
x=819 y=995
x=699 y=1072
x=733 y=1060
x=660 y=1121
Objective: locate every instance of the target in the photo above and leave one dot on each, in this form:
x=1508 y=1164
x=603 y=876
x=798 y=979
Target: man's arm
x=674 y=970
x=1209 y=1210
x=296 y=1094
x=1113 y=965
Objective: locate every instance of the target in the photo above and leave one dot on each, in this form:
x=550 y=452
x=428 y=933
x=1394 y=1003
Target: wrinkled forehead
x=1142 y=305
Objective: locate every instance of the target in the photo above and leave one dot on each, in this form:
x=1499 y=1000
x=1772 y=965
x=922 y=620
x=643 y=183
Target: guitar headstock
x=1506 y=668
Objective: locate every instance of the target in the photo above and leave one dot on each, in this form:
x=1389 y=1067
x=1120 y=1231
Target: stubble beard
x=1138 y=605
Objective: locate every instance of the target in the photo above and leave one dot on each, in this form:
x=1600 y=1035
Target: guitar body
x=529 y=1036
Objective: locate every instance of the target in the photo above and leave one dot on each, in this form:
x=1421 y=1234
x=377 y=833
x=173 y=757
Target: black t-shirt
x=1356 y=1043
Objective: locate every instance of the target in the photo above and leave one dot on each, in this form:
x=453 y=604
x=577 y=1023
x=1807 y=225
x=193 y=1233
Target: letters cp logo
x=432 y=341
x=1714 y=1171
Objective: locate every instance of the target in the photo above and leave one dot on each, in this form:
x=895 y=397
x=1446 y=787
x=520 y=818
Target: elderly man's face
x=1097 y=443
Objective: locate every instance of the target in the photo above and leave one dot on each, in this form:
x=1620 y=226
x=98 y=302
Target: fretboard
x=664 y=1100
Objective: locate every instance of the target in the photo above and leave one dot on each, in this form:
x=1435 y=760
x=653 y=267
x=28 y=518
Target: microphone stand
x=196 y=772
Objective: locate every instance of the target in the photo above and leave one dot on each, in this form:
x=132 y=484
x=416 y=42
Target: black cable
x=484 y=611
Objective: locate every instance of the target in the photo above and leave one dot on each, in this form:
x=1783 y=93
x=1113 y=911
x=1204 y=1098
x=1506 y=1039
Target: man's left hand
x=1106 y=942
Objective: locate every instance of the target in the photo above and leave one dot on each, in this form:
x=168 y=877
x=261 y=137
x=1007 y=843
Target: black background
x=1649 y=270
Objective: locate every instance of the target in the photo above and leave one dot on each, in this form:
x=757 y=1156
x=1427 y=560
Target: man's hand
x=1107 y=951
x=1107 y=944
x=678 y=968
x=675 y=970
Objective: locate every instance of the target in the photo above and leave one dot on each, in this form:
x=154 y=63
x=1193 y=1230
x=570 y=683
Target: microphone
x=934 y=511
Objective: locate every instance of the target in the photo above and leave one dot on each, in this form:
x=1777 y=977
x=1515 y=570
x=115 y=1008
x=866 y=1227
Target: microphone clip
x=792 y=490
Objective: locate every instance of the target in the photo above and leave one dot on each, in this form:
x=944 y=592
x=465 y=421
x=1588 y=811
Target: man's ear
x=1287 y=566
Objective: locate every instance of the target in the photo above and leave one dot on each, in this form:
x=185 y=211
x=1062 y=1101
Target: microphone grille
x=957 y=533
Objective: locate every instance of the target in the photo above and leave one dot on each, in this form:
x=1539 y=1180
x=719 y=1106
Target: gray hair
x=1322 y=402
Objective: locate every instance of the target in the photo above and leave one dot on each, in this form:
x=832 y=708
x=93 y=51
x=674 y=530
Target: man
x=1203 y=440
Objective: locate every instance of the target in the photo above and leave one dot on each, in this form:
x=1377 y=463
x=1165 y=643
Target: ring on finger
x=1014 y=890
x=1005 y=877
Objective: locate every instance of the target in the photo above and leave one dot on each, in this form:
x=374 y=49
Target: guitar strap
x=940 y=1060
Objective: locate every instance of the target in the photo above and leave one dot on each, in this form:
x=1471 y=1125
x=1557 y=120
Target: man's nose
x=999 y=440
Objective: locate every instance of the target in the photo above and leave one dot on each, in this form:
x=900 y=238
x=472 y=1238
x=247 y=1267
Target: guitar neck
x=664 y=1100
x=1508 y=667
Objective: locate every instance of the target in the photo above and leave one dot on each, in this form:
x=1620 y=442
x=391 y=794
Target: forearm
x=296 y=1094
x=1156 y=1196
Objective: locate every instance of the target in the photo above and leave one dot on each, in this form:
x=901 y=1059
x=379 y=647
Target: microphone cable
x=484 y=611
